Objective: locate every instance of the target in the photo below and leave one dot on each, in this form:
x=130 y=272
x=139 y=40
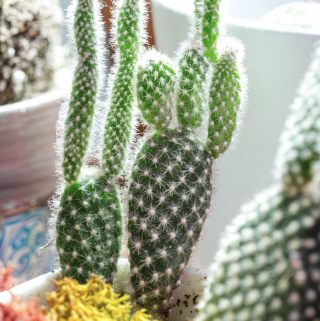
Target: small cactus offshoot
x=171 y=182
x=267 y=267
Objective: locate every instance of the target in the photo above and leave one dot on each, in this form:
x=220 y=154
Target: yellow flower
x=94 y=301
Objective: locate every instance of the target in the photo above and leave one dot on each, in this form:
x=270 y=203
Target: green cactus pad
x=169 y=199
x=84 y=90
x=224 y=104
x=210 y=29
x=156 y=84
x=258 y=274
x=193 y=68
x=119 y=121
x=89 y=229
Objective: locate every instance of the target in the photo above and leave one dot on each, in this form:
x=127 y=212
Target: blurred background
x=34 y=76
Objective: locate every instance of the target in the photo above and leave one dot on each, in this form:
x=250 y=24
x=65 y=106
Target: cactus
x=119 y=122
x=84 y=91
x=171 y=182
x=89 y=222
x=30 y=42
x=267 y=267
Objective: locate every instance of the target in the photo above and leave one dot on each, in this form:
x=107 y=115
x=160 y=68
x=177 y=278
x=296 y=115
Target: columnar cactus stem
x=119 y=121
x=224 y=103
x=267 y=267
x=210 y=29
x=84 y=91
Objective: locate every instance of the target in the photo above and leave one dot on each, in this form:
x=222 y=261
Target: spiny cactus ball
x=29 y=39
x=169 y=199
x=258 y=273
x=119 y=122
x=89 y=229
x=84 y=90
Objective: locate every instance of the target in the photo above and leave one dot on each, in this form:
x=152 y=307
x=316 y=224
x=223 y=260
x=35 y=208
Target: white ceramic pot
x=27 y=179
x=275 y=61
x=27 y=156
x=186 y=296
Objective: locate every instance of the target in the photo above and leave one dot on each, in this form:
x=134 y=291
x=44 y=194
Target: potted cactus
x=191 y=106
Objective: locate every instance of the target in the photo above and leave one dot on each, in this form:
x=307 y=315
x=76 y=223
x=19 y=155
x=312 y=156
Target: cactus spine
x=89 y=220
x=171 y=186
x=267 y=267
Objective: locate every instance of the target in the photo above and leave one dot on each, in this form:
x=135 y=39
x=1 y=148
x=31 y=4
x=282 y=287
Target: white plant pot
x=275 y=61
x=186 y=298
x=27 y=180
x=27 y=156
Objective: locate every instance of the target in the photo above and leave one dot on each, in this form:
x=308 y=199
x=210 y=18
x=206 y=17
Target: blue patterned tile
x=21 y=235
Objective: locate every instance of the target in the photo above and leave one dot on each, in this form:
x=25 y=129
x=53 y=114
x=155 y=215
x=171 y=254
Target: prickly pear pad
x=169 y=199
x=89 y=229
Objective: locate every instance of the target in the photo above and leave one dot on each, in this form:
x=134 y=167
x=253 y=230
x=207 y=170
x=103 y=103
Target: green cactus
x=267 y=267
x=171 y=182
x=119 y=122
x=210 y=29
x=89 y=223
x=223 y=104
x=89 y=229
x=84 y=91
x=156 y=102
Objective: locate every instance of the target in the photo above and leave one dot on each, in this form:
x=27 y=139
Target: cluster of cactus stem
x=89 y=222
x=268 y=264
x=171 y=182
x=170 y=185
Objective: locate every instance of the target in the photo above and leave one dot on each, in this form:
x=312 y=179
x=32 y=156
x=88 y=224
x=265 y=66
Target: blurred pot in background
x=31 y=85
x=276 y=58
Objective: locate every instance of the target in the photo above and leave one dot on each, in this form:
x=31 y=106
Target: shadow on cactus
x=171 y=185
x=267 y=267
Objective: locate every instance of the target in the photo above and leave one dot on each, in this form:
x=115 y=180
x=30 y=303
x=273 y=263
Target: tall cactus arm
x=210 y=29
x=193 y=68
x=224 y=104
x=198 y=16
x=300 y=148
x=119 y=120
x=83 y=95
x=156 y=84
